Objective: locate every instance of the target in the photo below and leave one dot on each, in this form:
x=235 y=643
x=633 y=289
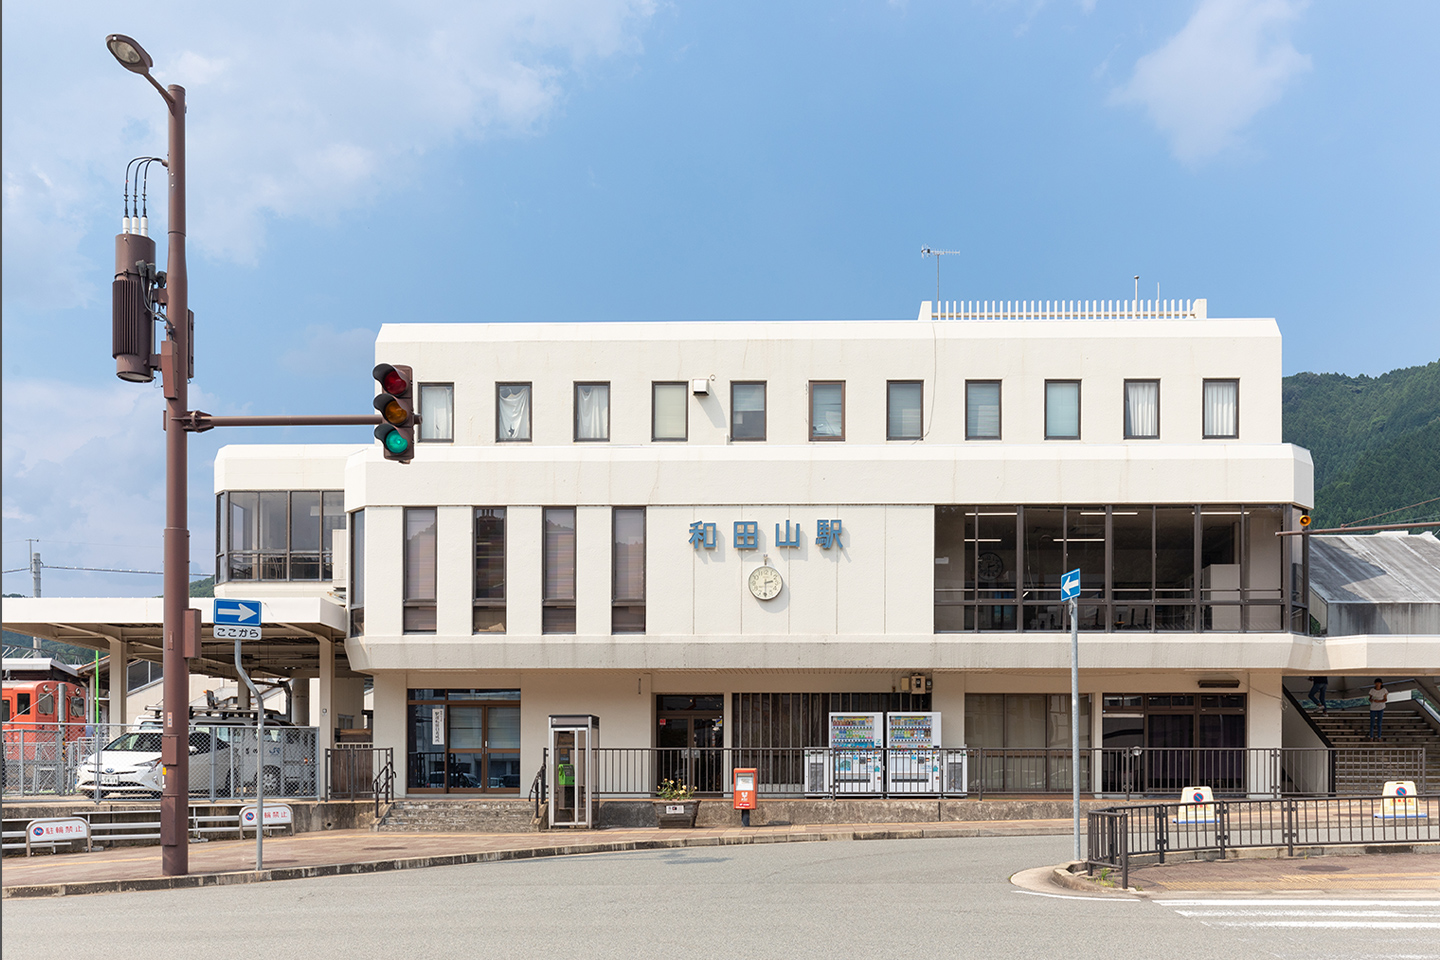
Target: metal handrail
x=384 y=784
x=537 y=786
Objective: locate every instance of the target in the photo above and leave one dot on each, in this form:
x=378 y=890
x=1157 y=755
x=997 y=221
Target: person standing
x=1378 y=696
x=1317 y=692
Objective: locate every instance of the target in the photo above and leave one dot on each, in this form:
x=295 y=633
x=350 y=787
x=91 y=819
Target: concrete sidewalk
x=341 y=852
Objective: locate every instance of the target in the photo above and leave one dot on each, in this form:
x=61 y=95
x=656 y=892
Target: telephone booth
x=573 y=739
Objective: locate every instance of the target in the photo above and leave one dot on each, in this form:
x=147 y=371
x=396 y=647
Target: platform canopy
x=289 y=646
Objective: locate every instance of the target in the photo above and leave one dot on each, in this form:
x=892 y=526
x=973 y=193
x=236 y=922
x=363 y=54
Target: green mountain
x=1375 y=442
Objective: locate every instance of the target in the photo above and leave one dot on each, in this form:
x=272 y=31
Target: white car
x=131 y=764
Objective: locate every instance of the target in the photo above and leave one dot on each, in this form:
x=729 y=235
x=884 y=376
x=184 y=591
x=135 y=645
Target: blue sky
x=360 y=163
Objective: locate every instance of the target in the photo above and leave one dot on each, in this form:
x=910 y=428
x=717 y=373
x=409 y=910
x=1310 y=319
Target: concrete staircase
x=445 y=815
x=1366 y=765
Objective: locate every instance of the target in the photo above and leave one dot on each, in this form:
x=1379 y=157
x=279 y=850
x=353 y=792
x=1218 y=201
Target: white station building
x=715 y=533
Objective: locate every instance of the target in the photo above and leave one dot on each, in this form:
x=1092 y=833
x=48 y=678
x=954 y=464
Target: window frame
x=815 y=438
x=764 y=386
x=999 y=409
x=889 y=399
x=617 y=601
x=1125 y=409
x=575 y=418
x=408 y=602
x=260 y=558
x=561 y=603
x=1205 y=383
x=420 y=398
x=530 y=387
x=654 y=410
x=1079 y=410
x=355 y=572
x=489 y=603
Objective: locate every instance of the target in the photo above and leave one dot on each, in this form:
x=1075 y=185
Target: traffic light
x=396 y=404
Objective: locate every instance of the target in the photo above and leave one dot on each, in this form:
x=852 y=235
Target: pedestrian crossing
x=1328 y=914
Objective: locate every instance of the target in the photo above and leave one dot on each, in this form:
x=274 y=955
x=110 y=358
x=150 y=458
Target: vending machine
x=856 y=761
x=914 y=764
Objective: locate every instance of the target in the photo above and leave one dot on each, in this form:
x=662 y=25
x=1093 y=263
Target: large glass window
x=1142 y=409
x=558 y=598
x=463 y=741
x=982 y=409
x=489 y=615
x=747 y=411
x=356 y=594
x=420 y=560
x=1222 y=409
x=592 y=411
x=904 y=404
x=827 y=410
x=276 y=534
x=512 y=412
x=1026 y=741
x=669 y=411
x=627 y=613
x=1062 y=409
x=437 y=412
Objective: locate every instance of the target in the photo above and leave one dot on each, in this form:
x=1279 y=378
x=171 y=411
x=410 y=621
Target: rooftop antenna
x=1137 y=291
x=937 y=254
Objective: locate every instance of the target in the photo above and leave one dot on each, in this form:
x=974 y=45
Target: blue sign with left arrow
x=1069 y=585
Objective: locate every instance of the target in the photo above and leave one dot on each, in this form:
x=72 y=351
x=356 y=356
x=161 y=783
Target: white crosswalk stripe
x=1334 y=914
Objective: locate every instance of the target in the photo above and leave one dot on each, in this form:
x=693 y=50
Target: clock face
x=765 y=583
x=991 y=567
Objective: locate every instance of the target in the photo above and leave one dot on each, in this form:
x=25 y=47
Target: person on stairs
x=1378 y=696
x=1317 y=692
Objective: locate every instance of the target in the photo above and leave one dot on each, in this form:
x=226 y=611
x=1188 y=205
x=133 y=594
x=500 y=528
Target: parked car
x=131 y=764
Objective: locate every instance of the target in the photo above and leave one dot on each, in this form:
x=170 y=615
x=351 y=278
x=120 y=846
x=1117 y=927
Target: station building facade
x=713 y=533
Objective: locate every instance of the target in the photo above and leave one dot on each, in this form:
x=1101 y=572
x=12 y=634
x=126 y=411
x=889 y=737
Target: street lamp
x=175 y=370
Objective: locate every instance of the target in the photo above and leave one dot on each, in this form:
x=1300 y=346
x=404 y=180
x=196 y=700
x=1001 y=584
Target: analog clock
x=765 y=583
x=991 y=567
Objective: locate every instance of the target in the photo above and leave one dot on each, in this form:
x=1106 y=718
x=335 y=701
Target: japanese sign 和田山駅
x=746 y=535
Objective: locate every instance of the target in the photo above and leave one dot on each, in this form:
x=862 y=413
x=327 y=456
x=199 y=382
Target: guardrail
x=108 y=826
x=982 y=771
x=1118 y=835
x=360 y=771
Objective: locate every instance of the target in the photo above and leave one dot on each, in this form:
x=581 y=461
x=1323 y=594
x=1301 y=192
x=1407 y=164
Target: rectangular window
x=277 y=534
x=489 y=615
x=437 y=412
x=512 y=412
x=827 y=410
x=356 y=594
x=1062 y=409
x=332 y=518
x=558 y=613
x=1222 y=409
x=627 y=614
x=305 y=535
x=747 y=410
x=592 y=411
x=903 y=408
x=982 y=409
x=669 y=411
x=1142 y=409
x=420 y=558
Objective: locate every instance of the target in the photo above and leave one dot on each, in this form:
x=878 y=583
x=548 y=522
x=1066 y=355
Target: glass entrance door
x=690 y=737
x=464 y=741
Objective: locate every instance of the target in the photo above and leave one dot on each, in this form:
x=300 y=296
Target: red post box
x=743 y=787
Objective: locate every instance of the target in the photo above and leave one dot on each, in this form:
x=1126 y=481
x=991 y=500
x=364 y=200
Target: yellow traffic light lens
x=394 y=413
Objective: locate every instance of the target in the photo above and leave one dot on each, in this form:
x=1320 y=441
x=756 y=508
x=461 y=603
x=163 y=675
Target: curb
x=79 y=888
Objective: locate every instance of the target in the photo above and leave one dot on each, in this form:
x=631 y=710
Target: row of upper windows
x=904 y=410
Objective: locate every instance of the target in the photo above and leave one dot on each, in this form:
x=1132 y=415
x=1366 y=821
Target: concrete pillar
x=325 y=715
x=242 y=695
x=1264 y=720
x=390 y=719
x=119 y=681
x=300 y=701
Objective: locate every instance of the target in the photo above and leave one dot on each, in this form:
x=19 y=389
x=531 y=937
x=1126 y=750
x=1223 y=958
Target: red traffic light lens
x=393 y=383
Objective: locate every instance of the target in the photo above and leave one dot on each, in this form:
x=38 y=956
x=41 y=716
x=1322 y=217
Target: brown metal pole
x=175 y=738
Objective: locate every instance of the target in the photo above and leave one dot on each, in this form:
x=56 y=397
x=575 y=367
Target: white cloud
x=295 y=110
x=1202 y=88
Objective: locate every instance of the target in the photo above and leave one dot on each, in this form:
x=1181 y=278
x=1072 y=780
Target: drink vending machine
x=854 y=762
x=914 y=756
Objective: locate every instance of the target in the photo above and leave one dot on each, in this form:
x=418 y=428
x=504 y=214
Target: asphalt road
x=875 y=899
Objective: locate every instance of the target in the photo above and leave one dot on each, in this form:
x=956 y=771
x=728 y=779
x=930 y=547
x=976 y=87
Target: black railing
x=359 y=771
x=537 y=786
x=1117 y=835
x=385 y=783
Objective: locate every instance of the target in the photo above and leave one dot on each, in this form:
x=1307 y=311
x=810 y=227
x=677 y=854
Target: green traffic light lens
x=395 y=442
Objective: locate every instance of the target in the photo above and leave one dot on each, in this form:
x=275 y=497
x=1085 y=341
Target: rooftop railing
x=1063 y=310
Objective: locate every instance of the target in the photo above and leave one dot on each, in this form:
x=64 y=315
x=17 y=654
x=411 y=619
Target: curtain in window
x=904 y=413
x=1142 y=408
x=1221 y=402
x=420 y=553
x=670 y=411
x=1062 y=410
x=560 y=554
x=630 y=554
x=982 y=410
x=592 y=412
x=514 y=411
x=827 y=410
x=437 y=412
x=747 y=418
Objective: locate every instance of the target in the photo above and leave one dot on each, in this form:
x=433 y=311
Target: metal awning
x=288 y=647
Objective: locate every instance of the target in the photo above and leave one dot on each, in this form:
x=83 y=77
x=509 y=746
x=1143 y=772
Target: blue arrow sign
x=1069 y=585
x=238 y=612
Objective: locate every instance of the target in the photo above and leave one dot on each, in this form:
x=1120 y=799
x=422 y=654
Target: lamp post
x=175 y=372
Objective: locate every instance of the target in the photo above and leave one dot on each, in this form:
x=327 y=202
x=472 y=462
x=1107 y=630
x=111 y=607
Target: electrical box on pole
x=132 y=321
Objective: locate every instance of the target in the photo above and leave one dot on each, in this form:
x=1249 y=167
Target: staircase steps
x=1365 y=765
x=446 y=815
